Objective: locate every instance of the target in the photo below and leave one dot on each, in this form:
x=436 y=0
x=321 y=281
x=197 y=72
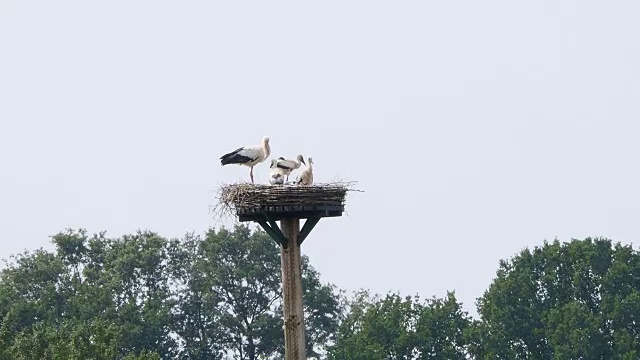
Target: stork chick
x=248 y=155
x=306 y=176
x=276 y=174
x=288 y=166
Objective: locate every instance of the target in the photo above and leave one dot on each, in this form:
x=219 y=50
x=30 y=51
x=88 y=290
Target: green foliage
x=145 y=297
x=443 y=329
x=233 y=294
x=323 y=309
x=93 y=298
x=576 y=300
x=393 y=327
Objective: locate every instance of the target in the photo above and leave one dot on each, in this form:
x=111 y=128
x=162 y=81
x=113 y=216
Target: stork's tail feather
x=226 y=159
x=233 y=158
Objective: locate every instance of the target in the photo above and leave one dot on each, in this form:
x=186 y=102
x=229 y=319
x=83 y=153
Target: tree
x=93 y=298
x=563 y=301
x=232 y=298
x=443 y=329
x=393 y=327
x=323 y=309
x=142 y=296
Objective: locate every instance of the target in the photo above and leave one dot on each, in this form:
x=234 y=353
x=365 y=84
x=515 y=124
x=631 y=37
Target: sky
x=475 y=129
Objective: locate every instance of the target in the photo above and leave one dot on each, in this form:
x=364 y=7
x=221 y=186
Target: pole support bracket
x=272 y=228
x=309 y=224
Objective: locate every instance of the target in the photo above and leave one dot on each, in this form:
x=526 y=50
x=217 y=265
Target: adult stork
x=276 y=174
x=306 y=176
x=288 y=166
x=248 y=155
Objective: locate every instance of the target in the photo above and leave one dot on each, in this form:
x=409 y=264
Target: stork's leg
x=251 y=174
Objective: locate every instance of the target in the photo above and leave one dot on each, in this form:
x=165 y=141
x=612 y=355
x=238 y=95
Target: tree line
x=217 y=296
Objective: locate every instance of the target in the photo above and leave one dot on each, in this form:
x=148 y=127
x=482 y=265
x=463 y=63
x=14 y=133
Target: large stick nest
x=232 y=197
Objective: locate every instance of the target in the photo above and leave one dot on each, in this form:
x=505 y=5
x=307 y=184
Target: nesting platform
x=258 y=202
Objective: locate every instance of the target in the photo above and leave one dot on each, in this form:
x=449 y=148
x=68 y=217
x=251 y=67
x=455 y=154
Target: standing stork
x=288 y=166
x=306 y=176
x=248 y=155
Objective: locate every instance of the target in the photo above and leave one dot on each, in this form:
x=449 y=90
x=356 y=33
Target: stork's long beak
x=302 y=161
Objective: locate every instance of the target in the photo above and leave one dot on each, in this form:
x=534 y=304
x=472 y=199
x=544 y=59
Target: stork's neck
x=267 y=149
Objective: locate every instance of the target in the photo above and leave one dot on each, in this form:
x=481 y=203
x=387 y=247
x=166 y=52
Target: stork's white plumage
x=276 y=174
x=306 y=176
x=248 y=155
x=288 y=166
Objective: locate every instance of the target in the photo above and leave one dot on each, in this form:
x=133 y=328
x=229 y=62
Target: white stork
x=306 y=176
x=288 y=166
x=276 y=174
x=248 y=155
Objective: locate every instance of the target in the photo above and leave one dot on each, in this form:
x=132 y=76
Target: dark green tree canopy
x=218 y=296
x=393 y=327
x=576 y=300
x=142 y=296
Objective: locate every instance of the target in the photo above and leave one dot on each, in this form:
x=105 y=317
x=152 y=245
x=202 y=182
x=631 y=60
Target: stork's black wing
x=234 y=157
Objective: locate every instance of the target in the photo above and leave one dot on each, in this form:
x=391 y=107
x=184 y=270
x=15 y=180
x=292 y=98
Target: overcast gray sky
x=475 y=128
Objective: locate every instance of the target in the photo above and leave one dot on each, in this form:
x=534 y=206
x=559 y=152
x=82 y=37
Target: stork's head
x=301 y=159
x=273 y=163
x=265 y=140
x=310 y=161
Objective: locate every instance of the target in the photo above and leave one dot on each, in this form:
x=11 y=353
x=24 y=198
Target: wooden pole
x=294 y=336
